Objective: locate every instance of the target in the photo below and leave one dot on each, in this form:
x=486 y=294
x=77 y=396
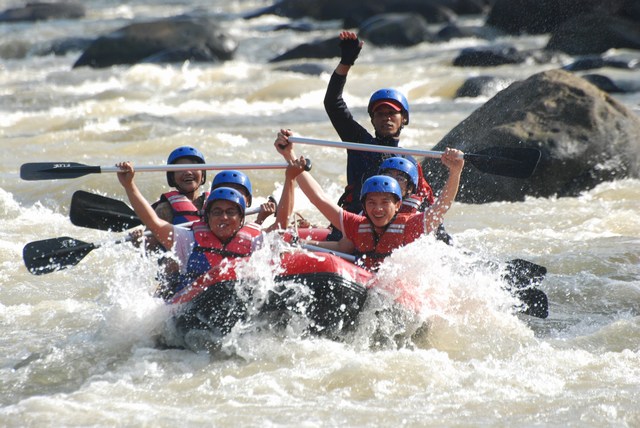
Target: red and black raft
x=328 y=290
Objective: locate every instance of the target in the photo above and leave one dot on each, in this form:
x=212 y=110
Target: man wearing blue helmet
x=382 y=228
x=183 y=204
x=389 y=112
x=240 y=181
x=220 y=235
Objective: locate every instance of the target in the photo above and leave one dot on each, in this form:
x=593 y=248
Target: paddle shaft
x=366 y=147
x=315 y=248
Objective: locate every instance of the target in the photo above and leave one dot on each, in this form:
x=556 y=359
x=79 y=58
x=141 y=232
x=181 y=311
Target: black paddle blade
x=517 y=162
x=523 y=276
x=55 y=170
x=535 y=302
x=102 y=213
x=523 y=273
x=55 y=254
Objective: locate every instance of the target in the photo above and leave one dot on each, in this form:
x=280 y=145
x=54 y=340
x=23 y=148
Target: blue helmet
x=382 y=184
x=184 y=152
x=233 y=177
x=389 y=95
x=401 y=164
x=227 y=194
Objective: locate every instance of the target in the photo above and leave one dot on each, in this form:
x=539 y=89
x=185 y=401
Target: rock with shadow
x=169 y=40
x=585 y=136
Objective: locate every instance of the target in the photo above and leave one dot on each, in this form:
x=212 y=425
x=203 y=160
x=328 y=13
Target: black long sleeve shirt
x=360 y=165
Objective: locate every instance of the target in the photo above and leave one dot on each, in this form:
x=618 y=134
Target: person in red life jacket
x=414 y=198
x=183 y=204
x=388 y=111
x=382 y=228
x=240 y=181
x=220 y=234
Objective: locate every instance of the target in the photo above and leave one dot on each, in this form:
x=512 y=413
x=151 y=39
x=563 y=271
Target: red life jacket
x=424 y=190
x=411 y=204
x=184 y=210
x=209 y=251
x=371 y=249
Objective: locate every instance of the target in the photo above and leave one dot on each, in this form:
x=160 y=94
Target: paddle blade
x=50 y=255
x=535 y=302
x=517 y=162
x=523 y=276
x=55 y=170
x=523 y=273
x=102 y=213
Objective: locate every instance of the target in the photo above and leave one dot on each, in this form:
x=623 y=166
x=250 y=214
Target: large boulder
x=165 y=41
x=585 y=136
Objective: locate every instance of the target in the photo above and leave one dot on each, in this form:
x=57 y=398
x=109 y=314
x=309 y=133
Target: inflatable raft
x=328 y=290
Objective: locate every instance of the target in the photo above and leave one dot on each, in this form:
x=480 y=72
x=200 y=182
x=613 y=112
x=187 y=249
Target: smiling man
x=382 y=228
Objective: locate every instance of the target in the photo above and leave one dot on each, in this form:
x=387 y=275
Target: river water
x=79 y=346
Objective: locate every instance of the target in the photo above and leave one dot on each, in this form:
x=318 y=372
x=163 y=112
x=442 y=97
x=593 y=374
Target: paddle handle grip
x=366 y=147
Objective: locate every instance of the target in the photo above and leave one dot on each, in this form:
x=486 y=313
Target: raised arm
x=161 y=229
x=434 y=215
x=307 y=183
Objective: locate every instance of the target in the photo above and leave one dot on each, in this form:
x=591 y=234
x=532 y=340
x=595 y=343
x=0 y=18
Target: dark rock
x=594 y=62
x=318 y=49
x=455 y=31
x=489 y=57
x=594 y=34
x=481 y=86
x=603 y=82
x=43 y=11
x=169 y=40
x=586 y=137
x=309 y=69
x=354 y=12
x=544 y=16
x=395 y=30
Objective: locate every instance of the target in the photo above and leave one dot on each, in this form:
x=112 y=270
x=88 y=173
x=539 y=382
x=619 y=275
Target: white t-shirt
x=183 y=243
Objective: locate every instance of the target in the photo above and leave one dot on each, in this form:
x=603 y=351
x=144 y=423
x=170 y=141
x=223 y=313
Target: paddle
x=50 y=255
x=517 y=162
x=101 y=212
x=61 y=170
x=54 y=254
x=104 y=213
